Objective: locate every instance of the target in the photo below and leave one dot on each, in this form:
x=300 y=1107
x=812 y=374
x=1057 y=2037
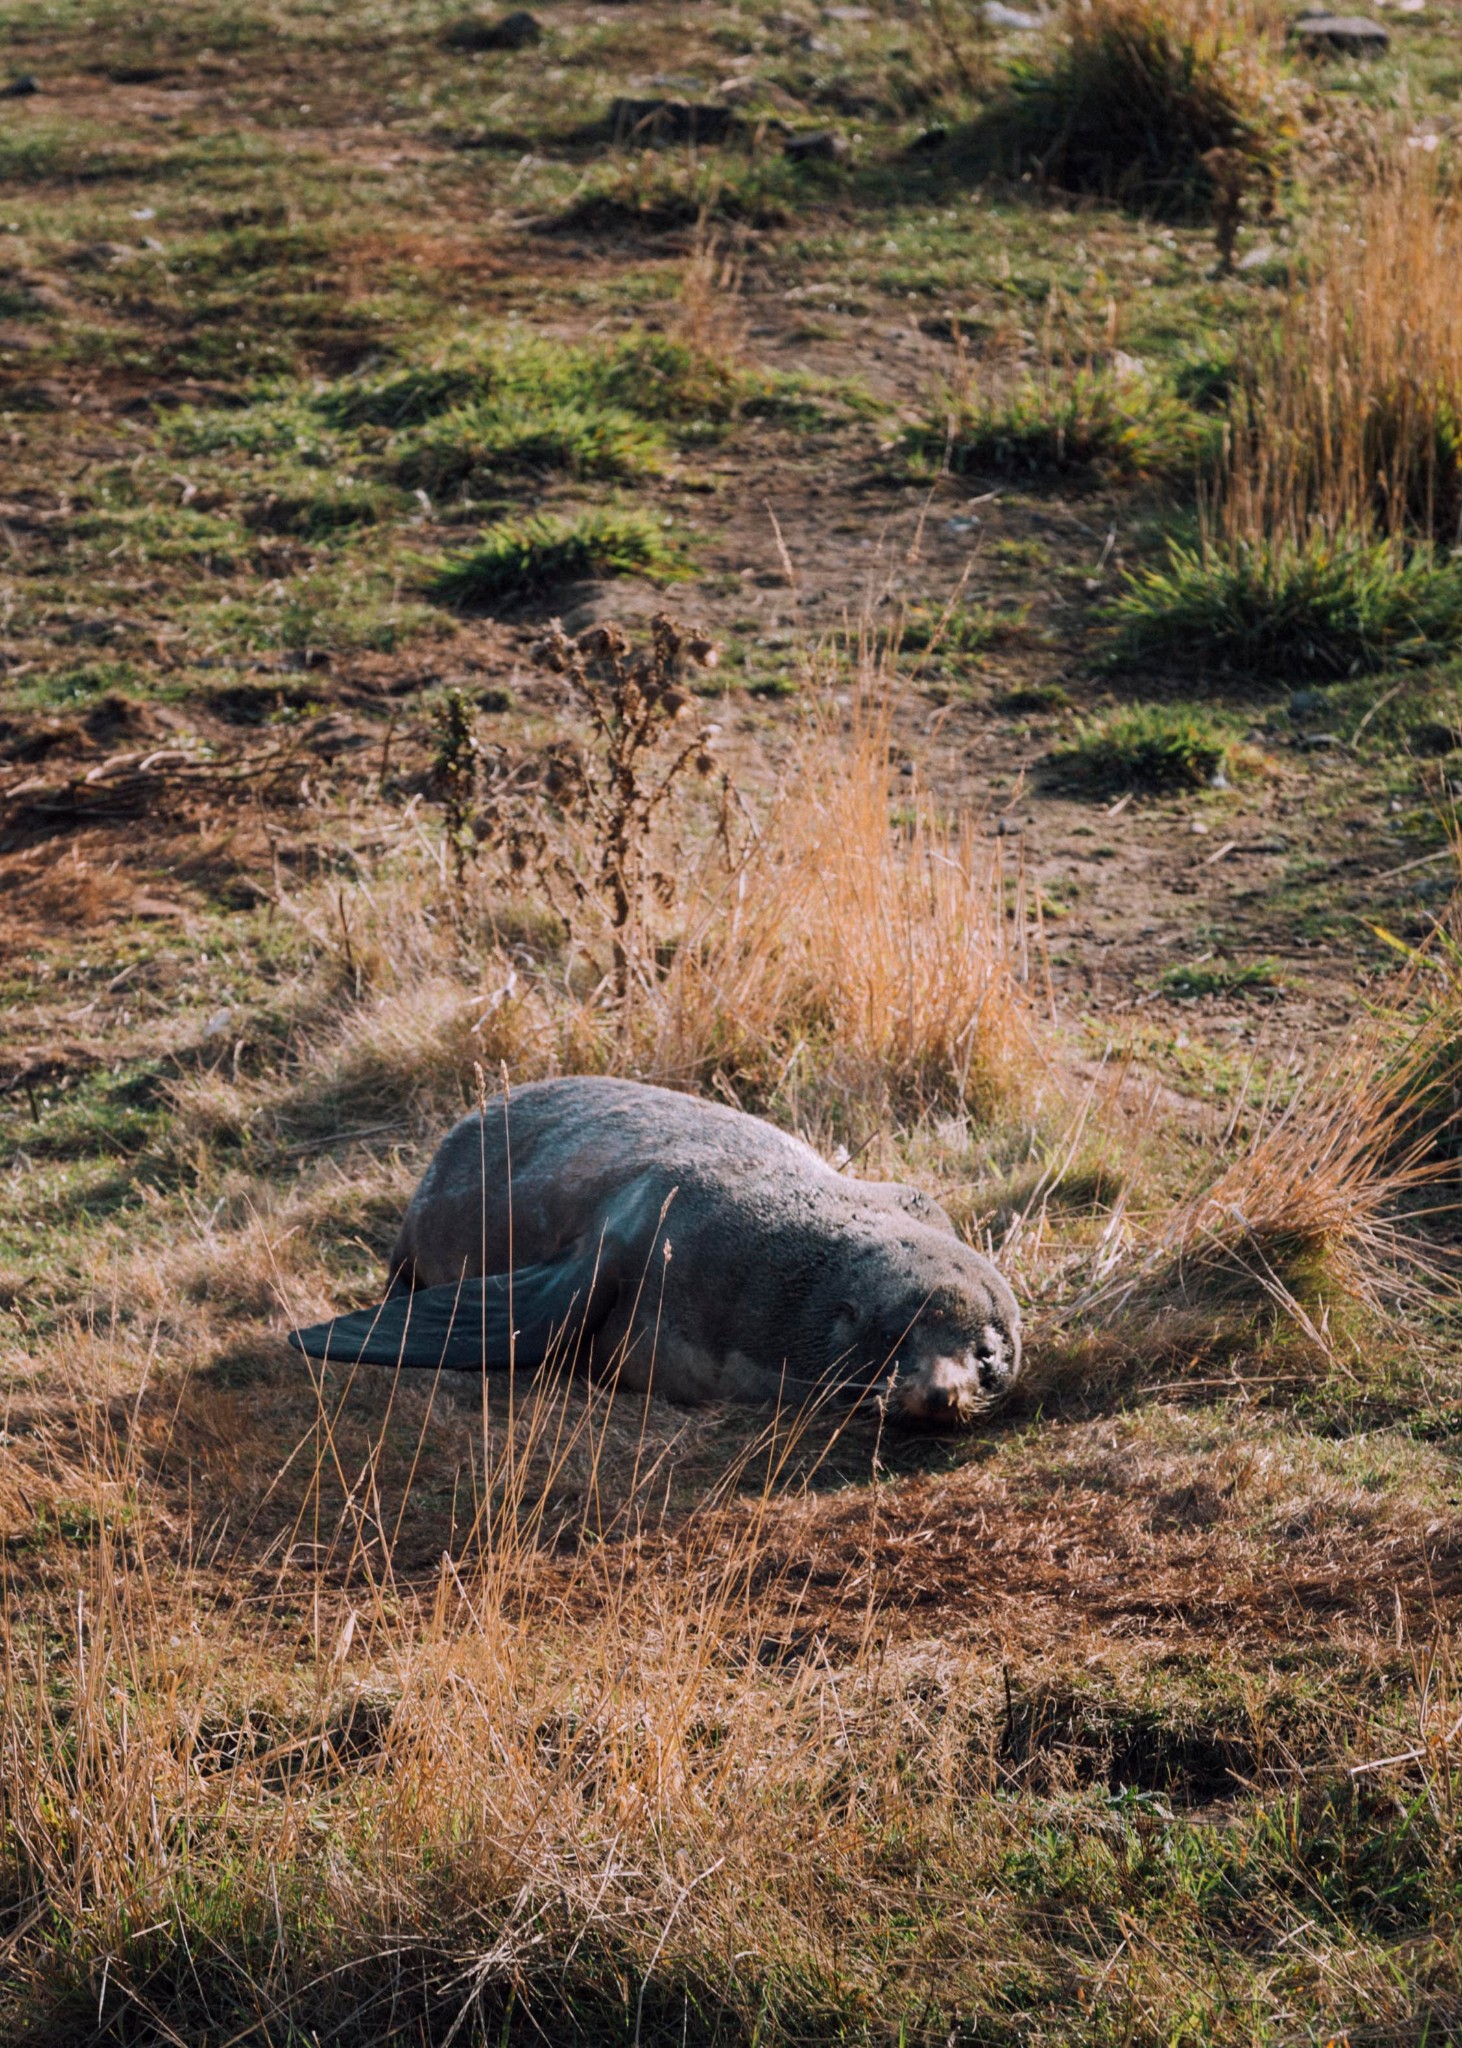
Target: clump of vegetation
x=969 y=626
x=404 y=398
x=1325 y=545
x=1156 y=748
x=1285 y=609
x=1312 y=1210
x=476 y=444
x=586 y=833
x=1065 y=422
x=1223 y=978
x=657 y=378
x=316 y=513
x=525 y=558
x=455 y=774
x=1131 y=96
x=655 y=193
x=1350 y=422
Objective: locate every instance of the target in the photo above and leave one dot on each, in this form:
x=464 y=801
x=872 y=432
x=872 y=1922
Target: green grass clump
x=316 y=514
x=1319 y=609
x=649 y=193
x=1126 y=102
x=969 y=628
x=478 y=443
x=653 y=377
x=1087 y=421
x=403 y=399
x=1249 y=978
x=1152 y=747
x=522 y=558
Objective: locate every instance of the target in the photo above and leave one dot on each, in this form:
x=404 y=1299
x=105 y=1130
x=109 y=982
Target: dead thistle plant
x=455 y=774
x=586 y=831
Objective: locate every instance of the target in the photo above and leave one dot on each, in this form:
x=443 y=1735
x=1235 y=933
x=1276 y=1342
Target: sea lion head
x=927 y=1326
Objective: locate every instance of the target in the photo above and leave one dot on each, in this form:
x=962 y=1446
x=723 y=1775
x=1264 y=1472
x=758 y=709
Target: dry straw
x=1352 y=421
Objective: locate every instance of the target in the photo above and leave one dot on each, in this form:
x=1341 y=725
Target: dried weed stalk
x=590 y=833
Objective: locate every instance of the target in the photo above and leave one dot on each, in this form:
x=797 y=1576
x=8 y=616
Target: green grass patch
x=1154 y=748
x=317 y=514
x=476 y=444
x=963 y=629
x=1223 y=978
x=648 y=193
x=1321 y=609
x=1086 y=421
x=523 y=558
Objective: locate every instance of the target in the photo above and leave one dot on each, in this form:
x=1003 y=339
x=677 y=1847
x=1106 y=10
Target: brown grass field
x=1044 y=791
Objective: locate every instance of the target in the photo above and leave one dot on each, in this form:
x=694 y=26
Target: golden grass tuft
x=1351 y=424
x=1321 y=1207
x=855 y=955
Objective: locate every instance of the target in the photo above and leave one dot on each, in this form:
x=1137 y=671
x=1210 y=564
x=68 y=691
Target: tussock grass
x=525 y=558
x=1129 y=98
x=1351 y=421
x=1315 y=1212
x=1155 y=747
x=1276 y=609
x=657 y=377
x=655 y=192
x=477 y=444
x=1325 y=550
x=1064 y=422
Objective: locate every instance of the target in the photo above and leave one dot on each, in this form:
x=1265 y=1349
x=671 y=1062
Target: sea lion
x=693 y=1247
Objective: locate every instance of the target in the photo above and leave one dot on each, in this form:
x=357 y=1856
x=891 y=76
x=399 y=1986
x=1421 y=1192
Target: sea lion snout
x=953 y=1385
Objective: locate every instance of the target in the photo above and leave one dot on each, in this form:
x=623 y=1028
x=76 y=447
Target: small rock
x=1198 y=829
x=20 y=87
x=516 y=31
x=1307 y=703
x=1435 y=736
x=848 y=13
x=1318 y=742
x=1348 y=34
x=823 y=145
x=999 y=16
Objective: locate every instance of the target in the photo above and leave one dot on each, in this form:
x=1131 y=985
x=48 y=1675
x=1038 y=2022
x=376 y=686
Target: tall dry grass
x=1351 y=424
x=849 y=954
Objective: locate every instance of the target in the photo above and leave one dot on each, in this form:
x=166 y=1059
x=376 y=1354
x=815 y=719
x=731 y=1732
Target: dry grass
x=617 y=1774
x=1322 y=1206
x=1352 y=422
x=844 y=956
x=345 y=1709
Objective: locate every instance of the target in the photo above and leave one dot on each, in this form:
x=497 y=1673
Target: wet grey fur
x=697 y=1249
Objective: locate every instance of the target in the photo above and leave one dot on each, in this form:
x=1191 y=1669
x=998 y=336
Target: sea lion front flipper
x=476 y=1326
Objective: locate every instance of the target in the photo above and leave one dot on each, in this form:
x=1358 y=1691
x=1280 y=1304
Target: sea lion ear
x=847 y=1312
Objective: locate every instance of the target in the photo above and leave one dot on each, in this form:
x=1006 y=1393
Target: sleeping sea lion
x=693 y=1248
